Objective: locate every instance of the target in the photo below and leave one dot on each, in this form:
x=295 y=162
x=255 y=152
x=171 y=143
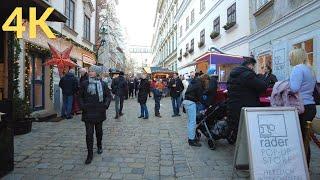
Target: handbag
x=316 y=94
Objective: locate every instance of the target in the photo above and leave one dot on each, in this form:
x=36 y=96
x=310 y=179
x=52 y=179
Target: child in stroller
x=213 y=123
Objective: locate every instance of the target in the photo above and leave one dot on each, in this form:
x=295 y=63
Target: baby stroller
x=213 y=123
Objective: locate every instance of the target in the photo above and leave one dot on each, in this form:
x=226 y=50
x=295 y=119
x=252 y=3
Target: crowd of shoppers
x=195 y=93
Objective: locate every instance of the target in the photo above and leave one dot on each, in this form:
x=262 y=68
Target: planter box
x=191 y=50
x=185 y=54
x=179 y=58
x=200 y=44
x=213 y=35
x=22 y=126
x=229 y=25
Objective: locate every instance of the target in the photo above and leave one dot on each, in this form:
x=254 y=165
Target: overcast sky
x=137 y=16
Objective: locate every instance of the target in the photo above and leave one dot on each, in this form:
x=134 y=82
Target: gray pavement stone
x=133 y=149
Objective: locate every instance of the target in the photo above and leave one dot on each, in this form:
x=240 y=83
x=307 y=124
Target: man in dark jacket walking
x=119 y=88
x=244 y=87
x=176 y=87
x=144 y=90
x=95 y=99
x=69 y=86
x=131 y=87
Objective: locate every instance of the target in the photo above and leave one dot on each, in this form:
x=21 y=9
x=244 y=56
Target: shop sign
x=270 y=143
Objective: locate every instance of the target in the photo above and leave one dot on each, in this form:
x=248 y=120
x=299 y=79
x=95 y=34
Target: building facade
x=203 y=24
x=278 y=26
x=39 y=83
x=164 y=42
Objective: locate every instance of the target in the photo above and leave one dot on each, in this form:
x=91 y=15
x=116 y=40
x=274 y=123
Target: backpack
x=316 y=94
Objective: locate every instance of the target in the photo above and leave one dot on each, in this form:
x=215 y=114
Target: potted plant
x=229 y=25
x=214 y=34
x=200 y=44
x=185 y=54
x=180 y=58
x=21 y=116
x=191 y=50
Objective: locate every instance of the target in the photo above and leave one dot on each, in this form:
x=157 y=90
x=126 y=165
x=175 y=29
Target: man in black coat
x=83 y=74
x=244 y=87
x=131 y=87
x=144 y=90
x=69 y=86
x=176 y=87
x=119 y=88
x=94 y=98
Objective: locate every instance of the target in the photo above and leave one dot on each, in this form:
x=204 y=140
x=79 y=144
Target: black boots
x=194 y=142
x=121 y=114
x=158 y=115
x=99 y=151
x=89 y=157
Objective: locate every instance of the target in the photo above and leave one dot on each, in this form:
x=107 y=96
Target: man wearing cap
x=94 y=101
x=69 y=86
x=119 y=88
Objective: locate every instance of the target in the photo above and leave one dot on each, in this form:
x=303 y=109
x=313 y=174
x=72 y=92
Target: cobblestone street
x=133 y=149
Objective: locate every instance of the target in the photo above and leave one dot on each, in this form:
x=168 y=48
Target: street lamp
x=102 y=42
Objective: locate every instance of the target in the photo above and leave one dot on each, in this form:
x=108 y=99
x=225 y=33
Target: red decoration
x=61 y=59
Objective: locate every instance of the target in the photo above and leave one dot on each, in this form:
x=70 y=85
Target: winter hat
x=211 y=71
x=96 y=69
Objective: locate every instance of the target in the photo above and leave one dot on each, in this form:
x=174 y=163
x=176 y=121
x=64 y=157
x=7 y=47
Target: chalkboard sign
x=270 y=143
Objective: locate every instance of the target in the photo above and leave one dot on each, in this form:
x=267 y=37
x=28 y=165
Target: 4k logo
x=33 y=23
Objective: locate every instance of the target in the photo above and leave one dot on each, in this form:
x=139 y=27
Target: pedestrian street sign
x=269 y=145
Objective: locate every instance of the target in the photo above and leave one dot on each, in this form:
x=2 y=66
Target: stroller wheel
x=212 y=144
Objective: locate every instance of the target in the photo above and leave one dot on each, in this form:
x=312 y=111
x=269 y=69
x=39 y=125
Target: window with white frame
x=192 y=44
x=187 y=47
x=192 y=16
x=70 y=13
x=202 y=5
x=231 y=13
x=202 y=36
x=180 y=31
x=261 y=3
x=86 y=28
x=187 y=23
x=216 y=25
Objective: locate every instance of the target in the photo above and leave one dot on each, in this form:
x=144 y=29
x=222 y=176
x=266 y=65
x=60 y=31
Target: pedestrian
x=270 y=78
x=119 y=89
x=136 y=83
x=157 y=94
x=193 y=96
x=303 y=81
x=83 y=74
x=176 y=88
x=94 y=101
x=144 y=90
x=244 y=87
x=107 y=79
x=69 y=86
x=131 y=87
x=211 y=91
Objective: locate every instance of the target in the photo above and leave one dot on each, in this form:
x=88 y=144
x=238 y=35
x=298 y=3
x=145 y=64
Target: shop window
x=263 y=61
x=308 y=47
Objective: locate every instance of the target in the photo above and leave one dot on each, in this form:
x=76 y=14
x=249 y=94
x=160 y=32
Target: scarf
x=94 y=87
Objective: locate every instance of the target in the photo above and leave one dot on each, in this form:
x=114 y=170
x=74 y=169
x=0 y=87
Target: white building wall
x=79 y=21
x=233 y=41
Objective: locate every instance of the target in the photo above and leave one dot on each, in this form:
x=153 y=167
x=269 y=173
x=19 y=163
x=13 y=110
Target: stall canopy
x=216 y=58
x=152 y=70
x=8 y=7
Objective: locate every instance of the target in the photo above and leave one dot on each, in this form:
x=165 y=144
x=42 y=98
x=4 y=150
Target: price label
x=33 y=23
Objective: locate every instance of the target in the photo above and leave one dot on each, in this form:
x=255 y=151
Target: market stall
x=158 y=72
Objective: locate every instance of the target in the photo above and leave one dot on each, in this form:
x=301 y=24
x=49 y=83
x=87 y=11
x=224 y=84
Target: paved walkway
x=133 y=149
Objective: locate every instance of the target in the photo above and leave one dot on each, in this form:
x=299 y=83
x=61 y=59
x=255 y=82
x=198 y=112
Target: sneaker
x=174 y=115
x=121 y=114
x=194 y=142
x=158 y=115
x=140 y=117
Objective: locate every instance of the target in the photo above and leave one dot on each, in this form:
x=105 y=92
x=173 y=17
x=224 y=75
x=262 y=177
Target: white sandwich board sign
x=270 y=144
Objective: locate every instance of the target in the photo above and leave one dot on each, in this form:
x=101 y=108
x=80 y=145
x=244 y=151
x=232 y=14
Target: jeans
x=191 y=109
x=176 y=104
x=130 y=93
x=67 y=106
x=144 y=110
x=89 y=135
x=157 y=100
x=119 y=100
